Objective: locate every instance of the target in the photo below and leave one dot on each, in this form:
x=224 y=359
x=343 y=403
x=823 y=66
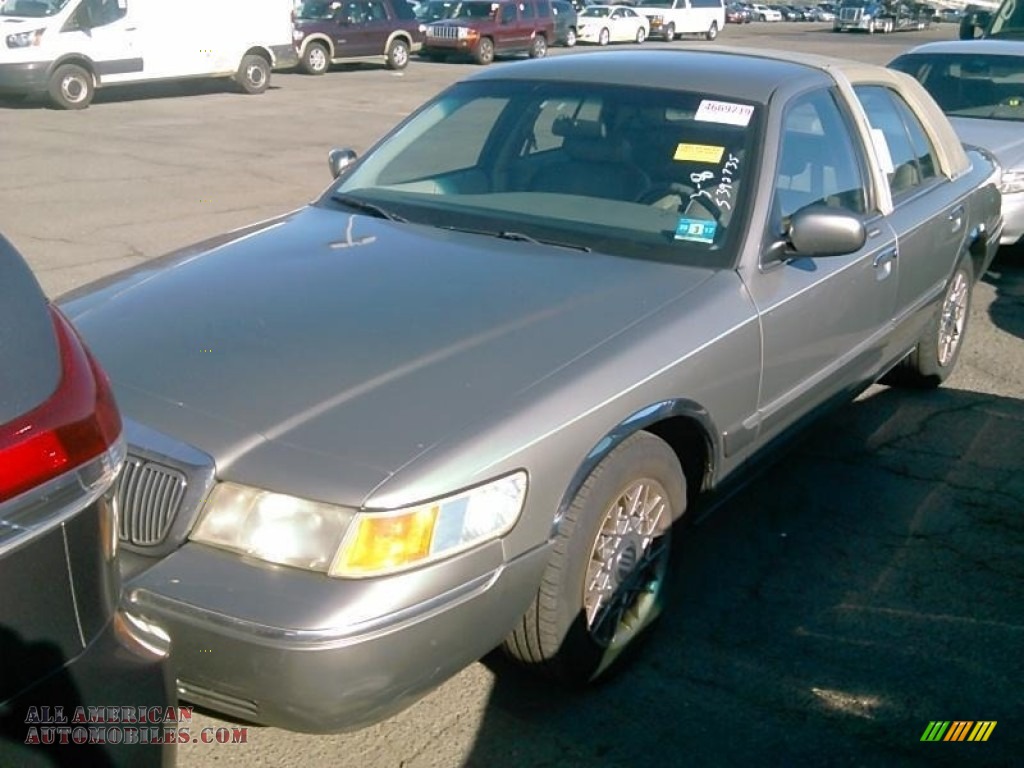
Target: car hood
x=1003 y=138
x=350 y=338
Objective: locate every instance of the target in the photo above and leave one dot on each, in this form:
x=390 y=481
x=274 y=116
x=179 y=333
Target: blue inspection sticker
x=696 y=230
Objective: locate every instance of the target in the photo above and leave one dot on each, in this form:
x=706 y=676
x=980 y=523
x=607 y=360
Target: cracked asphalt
x=867 y=583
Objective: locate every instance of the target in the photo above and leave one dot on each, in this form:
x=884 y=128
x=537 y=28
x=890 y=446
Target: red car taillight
x=78 y=422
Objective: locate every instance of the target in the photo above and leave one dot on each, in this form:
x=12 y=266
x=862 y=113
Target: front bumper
x=1013 y=216
x=24 y=77
x=284 y=647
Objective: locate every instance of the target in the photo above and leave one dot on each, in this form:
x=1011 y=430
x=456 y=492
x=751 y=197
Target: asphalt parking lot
x=870 y=582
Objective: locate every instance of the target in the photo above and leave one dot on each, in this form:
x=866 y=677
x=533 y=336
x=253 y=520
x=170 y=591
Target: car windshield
x=970 y=85
x=655 y=3
x=435 y=10
x=474 y=11
x=637 y=172
x=32 y=8
x=595 y=12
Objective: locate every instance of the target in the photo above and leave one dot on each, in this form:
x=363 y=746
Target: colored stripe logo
x=958 y=730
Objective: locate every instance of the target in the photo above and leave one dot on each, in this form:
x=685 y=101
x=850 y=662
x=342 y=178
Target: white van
x=672 y=18
x=69 y=48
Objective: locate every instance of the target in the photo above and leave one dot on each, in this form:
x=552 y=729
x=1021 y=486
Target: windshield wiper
x=520 y=237
x=364 y=207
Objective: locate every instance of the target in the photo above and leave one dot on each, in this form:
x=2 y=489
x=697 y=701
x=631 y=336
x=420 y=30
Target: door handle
x=883 y=262
x=956 y=218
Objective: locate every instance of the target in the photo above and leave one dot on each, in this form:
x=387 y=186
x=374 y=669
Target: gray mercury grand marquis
x=461 y=399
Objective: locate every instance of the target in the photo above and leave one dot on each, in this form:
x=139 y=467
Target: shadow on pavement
x=1007 y=275
x=870 y=582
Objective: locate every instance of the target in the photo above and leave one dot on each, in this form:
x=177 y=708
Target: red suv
x=483 y=28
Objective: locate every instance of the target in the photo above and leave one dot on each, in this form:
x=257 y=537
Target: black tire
x=253 y=74
x=484 y=53
x=641 y=35
x=316 y=59
x=71 y=87
x=397 y=56
x=604 y=37
x=538 y=47
x=937 y=351
x=603 y=588
x=712 y=32
x=670 y=33
x=570 y=37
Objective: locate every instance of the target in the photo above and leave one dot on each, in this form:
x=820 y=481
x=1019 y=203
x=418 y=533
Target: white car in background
x=765 y=12
x=603 y=24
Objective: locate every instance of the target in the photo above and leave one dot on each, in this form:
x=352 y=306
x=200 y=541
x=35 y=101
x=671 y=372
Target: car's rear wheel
x=253 y=74
x=484 y=53
x=604 y=584
x=712 y=32
x=398 y=54
x=538 y=47
x=315 y=59
x=603 y=37
x=570 y=37
x=71 y=87
x=938 y=349
x=670 y=33
x=641 y=35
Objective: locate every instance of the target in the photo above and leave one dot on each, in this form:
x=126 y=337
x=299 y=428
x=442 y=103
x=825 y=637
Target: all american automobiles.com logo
x=123 y=725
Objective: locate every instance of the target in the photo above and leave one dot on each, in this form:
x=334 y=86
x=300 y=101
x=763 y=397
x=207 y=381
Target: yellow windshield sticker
x=699 y=153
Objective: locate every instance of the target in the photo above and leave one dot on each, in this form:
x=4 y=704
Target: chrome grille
x=443 y=32
x=149 y=496
x=850 y=14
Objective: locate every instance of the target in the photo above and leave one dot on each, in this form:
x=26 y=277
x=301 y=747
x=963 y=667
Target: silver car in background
x=980 y=86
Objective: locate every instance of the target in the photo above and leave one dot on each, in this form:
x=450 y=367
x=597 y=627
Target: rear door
x=929 y=213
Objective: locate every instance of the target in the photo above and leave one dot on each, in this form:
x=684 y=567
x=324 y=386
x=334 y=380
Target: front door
x=824 y=320
x=105 y=31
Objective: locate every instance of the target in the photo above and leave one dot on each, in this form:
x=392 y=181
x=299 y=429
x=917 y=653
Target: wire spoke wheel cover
x=953 y=318
x=605 y=582
x=628 y=564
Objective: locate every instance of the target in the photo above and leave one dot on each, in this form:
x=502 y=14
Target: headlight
x=343 y=542
x=25 y=39
x=1012 y=182
x=272 y=526
x=385 y=542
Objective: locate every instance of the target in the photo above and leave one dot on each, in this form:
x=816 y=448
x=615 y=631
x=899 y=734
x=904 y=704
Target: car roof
x=994 y=47
x=746 y=74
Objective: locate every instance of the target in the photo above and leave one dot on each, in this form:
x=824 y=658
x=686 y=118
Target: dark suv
x=482 y=28
x=331 y=31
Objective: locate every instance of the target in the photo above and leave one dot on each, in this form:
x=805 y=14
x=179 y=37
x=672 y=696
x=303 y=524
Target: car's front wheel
x=570 y=37
x=538 y=47
x=670 y=33
x=938 y=349
x=484 y=53
x=71 y=87
x=641 y=35
x=712 y=32
x=604 y=584
x=603 y=37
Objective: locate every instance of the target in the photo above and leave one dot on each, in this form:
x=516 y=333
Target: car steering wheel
x=665 y=192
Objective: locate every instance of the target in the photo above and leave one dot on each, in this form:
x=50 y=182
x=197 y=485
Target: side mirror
x=340 y=159
x=818 y=230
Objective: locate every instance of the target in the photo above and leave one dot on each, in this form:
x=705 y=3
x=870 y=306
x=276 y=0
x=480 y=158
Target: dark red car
x=331 y=31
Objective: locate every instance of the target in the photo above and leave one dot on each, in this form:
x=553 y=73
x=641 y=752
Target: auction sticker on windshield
x=724 y=112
